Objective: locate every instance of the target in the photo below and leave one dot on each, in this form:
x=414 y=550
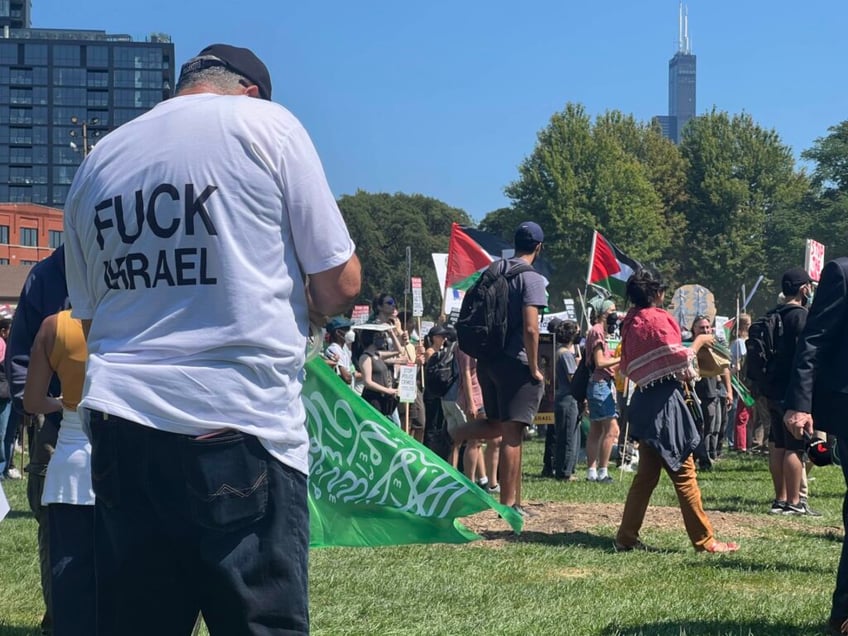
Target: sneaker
x=13 y=473
x=592 y=477
x=606 y=479
x=778 y=507
x=627 y=468
x=493 y=489
x=800 y=508
x=810 y=511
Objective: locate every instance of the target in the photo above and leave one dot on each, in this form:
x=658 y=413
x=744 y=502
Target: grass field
x=561 y=576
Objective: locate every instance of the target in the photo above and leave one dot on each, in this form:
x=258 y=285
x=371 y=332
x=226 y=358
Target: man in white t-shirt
x=199 y=238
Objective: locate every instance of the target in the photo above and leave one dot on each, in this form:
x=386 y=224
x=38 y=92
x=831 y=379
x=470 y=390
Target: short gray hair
x=219 y=77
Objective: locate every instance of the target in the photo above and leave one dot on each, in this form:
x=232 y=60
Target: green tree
x=383 y=225
x=581 y=177
x=829 y=207
x=744 y=214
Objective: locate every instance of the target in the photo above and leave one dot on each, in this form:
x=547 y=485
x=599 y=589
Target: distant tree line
x=725 y=206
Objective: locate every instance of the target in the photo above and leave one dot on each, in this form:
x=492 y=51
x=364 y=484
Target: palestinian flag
x=609 y=267
x=470 y=252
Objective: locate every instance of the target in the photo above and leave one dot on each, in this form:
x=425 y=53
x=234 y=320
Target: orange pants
x=685 y=482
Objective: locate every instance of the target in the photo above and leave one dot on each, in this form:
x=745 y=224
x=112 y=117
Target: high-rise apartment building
x=61 y=91
x=681 y=83
x=15 y=14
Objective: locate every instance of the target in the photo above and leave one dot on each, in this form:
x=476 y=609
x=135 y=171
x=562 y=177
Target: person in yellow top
x=60 y=348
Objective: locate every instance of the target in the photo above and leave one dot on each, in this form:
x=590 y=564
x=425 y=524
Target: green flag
x=371 y=484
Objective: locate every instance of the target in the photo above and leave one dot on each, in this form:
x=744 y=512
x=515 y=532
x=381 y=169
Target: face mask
x=612 y=322
x=350 y=337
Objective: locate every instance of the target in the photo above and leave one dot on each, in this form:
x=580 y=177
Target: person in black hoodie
x=45 y=292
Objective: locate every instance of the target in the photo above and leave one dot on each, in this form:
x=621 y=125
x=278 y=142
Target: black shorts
x=778 y=433
x=509 y=393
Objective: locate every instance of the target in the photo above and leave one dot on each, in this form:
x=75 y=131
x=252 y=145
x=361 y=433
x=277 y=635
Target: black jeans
x=185 y=525
x=72 y=569
x=839 y=610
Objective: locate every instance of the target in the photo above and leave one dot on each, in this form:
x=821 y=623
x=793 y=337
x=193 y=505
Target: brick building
x=28 y=233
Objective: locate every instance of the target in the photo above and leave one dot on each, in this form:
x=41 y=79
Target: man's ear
x=252 y=90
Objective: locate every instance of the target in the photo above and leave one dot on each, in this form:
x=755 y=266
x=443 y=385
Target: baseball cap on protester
x=528 y=235
x=238 y=60
x=337 y=322
x=793 y=279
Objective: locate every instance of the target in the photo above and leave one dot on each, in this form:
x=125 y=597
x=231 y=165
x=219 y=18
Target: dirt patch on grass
x=556 y=522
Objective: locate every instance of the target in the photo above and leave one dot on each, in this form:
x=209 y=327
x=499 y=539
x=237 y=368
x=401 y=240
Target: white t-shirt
x=343 y=356
x=188 y=233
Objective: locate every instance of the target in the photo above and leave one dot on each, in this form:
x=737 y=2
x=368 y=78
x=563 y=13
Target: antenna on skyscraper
x=683 y=45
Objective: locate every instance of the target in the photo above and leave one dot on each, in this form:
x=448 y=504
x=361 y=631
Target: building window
x=29 y=237
x=4 y=234
x=20 y=115
x=35 y=54
x=55 y=238
x=98 y=79
x=4 y=261
x=66 y=55
x=20 y=96
x=39 y=194
x=21 y=76
x=19 y=194
x=97 y=56
x=8 y=53
x=69 y=77
x=29 y=263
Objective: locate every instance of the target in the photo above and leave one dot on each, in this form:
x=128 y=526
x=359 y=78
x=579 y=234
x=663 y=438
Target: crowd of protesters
x=590 y=432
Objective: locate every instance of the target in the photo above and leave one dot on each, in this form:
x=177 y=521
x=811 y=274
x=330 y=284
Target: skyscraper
x=60 y=91
x=681 y=83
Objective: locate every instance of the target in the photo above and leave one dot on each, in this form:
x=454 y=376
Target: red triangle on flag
x=465 y=256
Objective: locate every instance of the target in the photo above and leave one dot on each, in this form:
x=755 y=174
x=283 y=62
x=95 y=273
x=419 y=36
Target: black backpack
x=764 y=344
x=483 y=324
x=442 y=370
x=580 y=380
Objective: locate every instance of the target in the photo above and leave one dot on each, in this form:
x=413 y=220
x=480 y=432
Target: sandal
x=721 y=546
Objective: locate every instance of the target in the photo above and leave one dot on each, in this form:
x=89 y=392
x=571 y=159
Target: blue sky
x=445 y=98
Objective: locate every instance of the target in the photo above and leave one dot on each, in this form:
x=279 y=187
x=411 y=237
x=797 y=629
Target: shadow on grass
x=714 y=628
x=15 y=630
x=17 y=514
x=579 y=539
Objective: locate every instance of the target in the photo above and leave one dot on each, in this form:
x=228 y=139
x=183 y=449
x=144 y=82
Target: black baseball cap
x=238 y=60
x=793 y=279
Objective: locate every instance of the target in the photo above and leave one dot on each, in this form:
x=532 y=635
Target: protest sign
x=360 y=314
x=814 y=259
x=407 y=386
x=417 y=297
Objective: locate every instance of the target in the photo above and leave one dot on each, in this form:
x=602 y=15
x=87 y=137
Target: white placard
x=4 y=504
x=570 y=310
x=426 y=325
x=546 y=319
x=360 y=314
x=814 y=258
x=407 y=383
x=720 y=321
x=417 y=297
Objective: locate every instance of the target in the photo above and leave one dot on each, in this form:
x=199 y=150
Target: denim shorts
x=601 y=396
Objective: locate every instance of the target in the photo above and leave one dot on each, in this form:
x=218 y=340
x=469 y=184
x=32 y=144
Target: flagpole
x=584 y=316
x=591 y=262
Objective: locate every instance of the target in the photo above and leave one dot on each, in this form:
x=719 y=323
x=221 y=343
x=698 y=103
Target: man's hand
x=797 y=423
x=537 y=375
